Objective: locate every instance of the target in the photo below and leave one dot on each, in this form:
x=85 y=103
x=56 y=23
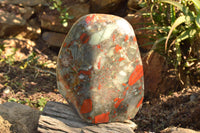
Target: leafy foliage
x=8 y=58
x=64 y=15
x=178 y=26
x=32 y=59
x=40 y=103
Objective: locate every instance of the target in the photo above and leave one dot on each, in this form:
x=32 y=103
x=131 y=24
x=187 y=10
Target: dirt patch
x=34 y=82
x=4 y=126
x=178 y=109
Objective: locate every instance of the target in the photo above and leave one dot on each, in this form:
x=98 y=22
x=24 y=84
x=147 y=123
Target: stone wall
x=30 y=18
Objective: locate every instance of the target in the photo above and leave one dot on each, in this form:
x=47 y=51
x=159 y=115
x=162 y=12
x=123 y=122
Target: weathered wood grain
x=61 y=118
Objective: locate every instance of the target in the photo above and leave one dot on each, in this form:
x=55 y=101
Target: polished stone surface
x=100 y=70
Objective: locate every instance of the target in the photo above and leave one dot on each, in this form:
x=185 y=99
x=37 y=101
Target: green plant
x=31 y=60
x=12 y=99
x=189 y=17
x=178 y=26
x=64 y=15
x=2 y=48
x=41 y=103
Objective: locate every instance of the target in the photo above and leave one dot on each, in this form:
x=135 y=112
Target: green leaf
x=64 y=10
x=52 y=7
x=66 y=14
x=58 y=2
x=178 y=53
x=188 y=12
x=55 y=5
x=142 y=4
x=70 y=17
x=178 y=5
x=146 y=44
x=158 y=41
x=12 y=100
x=41 y=109
x=42 y=102
x=65 y=24
x=173 y=14
x=155 y=28
x=58 y=9
x=197 y=20
x=22 y=101
x=61 y=17
x=196 y=3
x=186 y=34
x=178 y=21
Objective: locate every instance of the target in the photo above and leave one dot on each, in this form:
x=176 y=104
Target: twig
x=47 y=71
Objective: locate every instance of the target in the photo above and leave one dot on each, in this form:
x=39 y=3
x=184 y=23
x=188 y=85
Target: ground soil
x=36 y=84
x=4 y=126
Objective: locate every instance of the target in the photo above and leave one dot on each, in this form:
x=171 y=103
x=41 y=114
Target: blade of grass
x=178 y=53
x=154 y=47
x=178 y=5
x=155 y=28
x=173 y=14
x=196 y=3
x=197 y=20
x=178 y=21
x=186 y=34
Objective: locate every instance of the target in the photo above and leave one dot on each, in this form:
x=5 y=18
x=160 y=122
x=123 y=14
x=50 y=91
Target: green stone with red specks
x=99 y=69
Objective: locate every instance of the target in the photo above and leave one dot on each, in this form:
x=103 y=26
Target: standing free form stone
x=100 y=70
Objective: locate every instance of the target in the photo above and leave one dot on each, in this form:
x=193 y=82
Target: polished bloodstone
x=99 y=69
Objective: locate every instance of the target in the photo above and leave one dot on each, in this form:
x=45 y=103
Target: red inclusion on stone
x=84 y=72
x=86 y=106
x=65 y=44
x=136 y=75
x=140 y=88
x=121 y=59
x=98 y=46
x=123 y=84
x=118 y=101
x=134 y=39
x=124 y=93
x=89 y=118
x=117 y=48
x=99 y=63
x=127 y=88
x=70 y=44
x=113 y=37
x=114 y=116
x=140 y=102
x=126 y=38
x=102 y=118
x=89 y=18
x=66 y=86
x=84 y=38
x=99 y=87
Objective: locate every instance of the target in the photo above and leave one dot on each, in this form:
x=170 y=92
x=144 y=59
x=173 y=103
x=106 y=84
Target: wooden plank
x=61 y=118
